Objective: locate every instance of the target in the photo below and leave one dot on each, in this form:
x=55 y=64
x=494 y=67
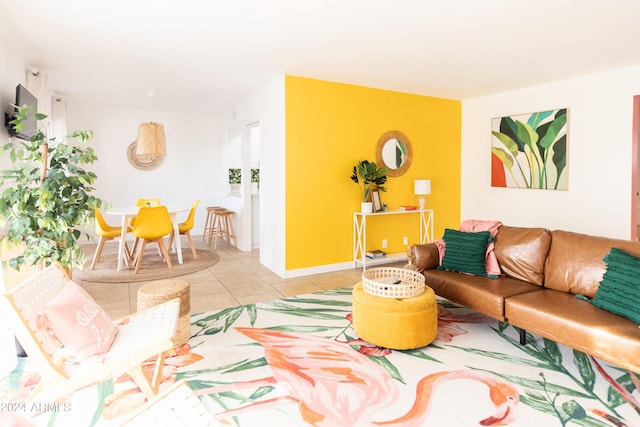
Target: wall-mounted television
x=24 y=97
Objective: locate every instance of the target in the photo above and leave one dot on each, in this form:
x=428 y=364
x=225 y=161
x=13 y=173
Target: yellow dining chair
x=185 y=228
x=142 y=202
x=107 y=232
x=152 y=224
x=153 y=202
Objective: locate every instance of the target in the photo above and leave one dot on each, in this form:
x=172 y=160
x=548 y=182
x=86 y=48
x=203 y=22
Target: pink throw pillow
x=78 y=322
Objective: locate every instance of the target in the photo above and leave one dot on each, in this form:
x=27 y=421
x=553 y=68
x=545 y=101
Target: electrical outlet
x=405 y=240
x=384 y=243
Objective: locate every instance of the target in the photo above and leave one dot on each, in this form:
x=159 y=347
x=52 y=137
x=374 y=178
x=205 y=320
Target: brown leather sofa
x=542 y=272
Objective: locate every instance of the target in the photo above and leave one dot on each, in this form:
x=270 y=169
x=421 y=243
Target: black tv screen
x=24 y=97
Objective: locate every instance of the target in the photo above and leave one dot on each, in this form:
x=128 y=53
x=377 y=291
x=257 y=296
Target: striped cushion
x=619 y=290
x=465 y=252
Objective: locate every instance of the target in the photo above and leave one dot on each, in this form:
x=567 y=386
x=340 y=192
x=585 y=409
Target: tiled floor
x=237 y=279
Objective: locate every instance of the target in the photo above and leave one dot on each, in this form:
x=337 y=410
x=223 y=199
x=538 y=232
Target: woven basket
x=383 y=282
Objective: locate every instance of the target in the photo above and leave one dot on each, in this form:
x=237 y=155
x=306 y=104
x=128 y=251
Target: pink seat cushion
x=78 y=322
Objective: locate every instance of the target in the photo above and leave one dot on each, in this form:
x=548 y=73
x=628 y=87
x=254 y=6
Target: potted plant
x=45 y=203
x=235 y=178
x=371 y=177
x=255 y=179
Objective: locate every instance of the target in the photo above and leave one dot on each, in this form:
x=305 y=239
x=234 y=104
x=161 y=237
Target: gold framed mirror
x=394 y=151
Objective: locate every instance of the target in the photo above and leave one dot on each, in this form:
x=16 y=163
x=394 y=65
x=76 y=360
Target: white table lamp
x=421 y=187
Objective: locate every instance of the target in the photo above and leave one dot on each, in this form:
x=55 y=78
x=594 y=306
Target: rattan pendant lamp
x=150 y=146
x=151 y=140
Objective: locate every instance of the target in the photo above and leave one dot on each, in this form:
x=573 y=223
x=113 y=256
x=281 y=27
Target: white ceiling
x=203 y=55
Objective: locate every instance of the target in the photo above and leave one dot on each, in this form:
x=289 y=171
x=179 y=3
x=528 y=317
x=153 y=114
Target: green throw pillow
x=465 y=252
x=619 y=290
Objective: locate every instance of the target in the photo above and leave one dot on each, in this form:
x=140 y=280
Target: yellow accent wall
x=329 y=128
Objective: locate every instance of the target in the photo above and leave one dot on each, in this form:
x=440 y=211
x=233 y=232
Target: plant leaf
x=509 y=128
x=526 y=134
x=552 y=350
x=553 y=130
x=508 y=142
x=246 y=365
x=583 y=363
x=233 y=316
x=389 y=367
x=536 y=118
x=574 y=410
x=304 y=329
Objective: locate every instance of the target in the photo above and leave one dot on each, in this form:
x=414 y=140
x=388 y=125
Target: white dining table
x=126 y=213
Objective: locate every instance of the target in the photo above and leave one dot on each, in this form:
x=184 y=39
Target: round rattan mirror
x=394 y=151
x=142 y=162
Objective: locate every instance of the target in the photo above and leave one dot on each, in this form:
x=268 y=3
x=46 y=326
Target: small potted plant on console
x=369 y=177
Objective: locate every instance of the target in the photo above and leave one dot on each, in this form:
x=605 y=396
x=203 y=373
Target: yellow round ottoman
x=399 y=324
x=155 y=293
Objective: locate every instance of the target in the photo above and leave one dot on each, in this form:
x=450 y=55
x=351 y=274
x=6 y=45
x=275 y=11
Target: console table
x=360 y=235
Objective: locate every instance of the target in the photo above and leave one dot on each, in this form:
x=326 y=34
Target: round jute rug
x=153 y=266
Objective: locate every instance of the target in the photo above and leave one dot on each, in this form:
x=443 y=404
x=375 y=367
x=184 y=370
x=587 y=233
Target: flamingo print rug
x=297 y=362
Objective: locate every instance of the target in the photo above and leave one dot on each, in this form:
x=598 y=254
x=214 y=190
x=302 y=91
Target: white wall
x=266 y=107
x=186 y=174
x=193 y=168
x=598 y=200
x=12 y=72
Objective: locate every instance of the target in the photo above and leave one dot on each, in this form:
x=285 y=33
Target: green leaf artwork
x=530 y=150
x=235 y=176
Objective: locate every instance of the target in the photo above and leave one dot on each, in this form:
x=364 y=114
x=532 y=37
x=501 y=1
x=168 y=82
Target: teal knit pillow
x=465 y=252
x=619 y=290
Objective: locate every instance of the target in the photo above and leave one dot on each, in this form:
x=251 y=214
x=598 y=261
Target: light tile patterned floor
x=237 y=279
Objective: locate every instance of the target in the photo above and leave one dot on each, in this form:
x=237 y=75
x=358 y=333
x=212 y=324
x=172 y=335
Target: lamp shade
x=422 y=186
x=151 y=141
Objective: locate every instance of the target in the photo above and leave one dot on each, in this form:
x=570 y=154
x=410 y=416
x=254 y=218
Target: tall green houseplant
x=45 y=201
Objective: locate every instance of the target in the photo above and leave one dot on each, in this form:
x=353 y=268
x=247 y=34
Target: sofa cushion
x=619 y=290
x=482 y=294
x=521 y=252
x=465 y=252
x=575 y=262
x=563 y=318
x=78 y=322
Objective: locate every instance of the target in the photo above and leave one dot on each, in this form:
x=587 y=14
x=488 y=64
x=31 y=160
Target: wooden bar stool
x=223 y=227
x=207 y=233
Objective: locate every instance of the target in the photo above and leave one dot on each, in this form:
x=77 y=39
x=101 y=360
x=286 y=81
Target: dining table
x=126 y=213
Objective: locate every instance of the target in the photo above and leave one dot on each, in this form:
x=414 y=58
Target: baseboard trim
x=329 y=268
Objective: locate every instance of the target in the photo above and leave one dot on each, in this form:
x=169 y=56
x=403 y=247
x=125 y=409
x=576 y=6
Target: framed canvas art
x=530 y=150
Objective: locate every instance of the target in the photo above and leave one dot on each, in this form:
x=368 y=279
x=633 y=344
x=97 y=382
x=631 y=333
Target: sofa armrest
x=424 y=256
